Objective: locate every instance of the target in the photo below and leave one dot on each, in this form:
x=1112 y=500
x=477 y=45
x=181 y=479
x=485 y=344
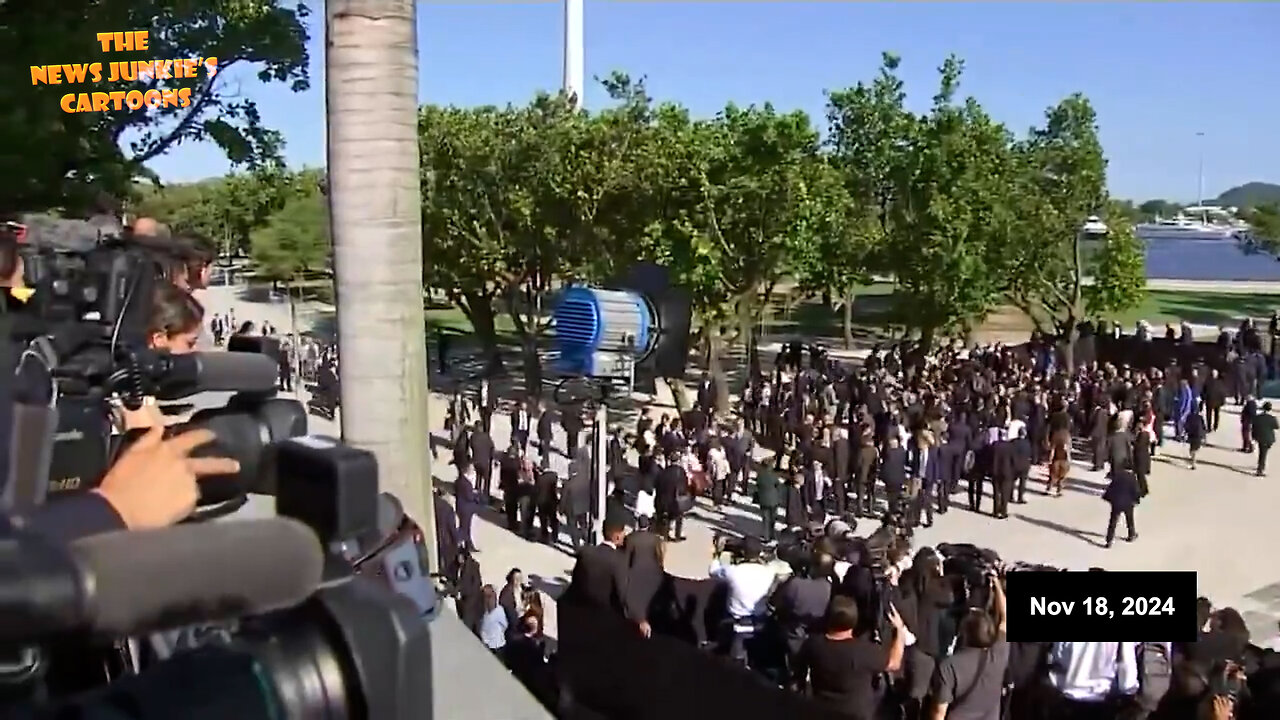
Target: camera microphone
x=185 y=375
x=130 y=583
x=152 y=580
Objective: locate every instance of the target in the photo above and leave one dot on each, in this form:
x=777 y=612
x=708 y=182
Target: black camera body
x=358 y=647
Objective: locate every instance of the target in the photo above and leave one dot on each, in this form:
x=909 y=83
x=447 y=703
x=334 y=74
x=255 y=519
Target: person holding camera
x=800 y=603
x=174 y=327
x=750 y=582
x=840 y=668
x=969 y=684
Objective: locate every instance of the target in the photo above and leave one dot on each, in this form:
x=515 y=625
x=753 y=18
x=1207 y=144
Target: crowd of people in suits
x=816 y=442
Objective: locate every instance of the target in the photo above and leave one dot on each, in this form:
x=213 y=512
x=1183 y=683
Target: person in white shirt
x=750 y=582
x=1088 y=674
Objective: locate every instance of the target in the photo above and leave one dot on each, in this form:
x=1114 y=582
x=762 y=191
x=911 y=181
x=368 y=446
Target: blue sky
x=1157 y=73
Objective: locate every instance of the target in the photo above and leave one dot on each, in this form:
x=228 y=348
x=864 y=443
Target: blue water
x=1208 y=260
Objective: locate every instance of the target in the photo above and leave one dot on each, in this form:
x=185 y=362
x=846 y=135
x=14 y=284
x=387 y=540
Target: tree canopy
x=963 y=214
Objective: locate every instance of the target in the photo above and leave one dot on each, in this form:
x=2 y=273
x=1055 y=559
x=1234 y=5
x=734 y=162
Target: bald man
x=148 y=227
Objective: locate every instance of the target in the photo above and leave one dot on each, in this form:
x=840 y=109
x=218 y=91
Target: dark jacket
x=1122 y=493
x=768 y=489
x=1264 y=429
x=599 y=578
x=893 y=468
x=643 y=550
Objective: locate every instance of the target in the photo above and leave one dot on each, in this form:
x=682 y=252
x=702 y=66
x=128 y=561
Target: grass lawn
x=1201 y=307
x=872 y=311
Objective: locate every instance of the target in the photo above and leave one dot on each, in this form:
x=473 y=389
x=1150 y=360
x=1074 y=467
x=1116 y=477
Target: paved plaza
x=1218 y=520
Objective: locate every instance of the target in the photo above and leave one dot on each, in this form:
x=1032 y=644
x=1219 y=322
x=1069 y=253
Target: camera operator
x=185 y=257
x=174 y=327
x=841 y=667
x=969 y=685
x=800 y=603
x=925 y=598
x=750 y=581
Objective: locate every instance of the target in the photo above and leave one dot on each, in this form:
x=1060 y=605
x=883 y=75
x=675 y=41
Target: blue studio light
x=594 y=326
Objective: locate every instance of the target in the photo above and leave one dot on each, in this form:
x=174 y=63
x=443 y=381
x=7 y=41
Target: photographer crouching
x=750 y=581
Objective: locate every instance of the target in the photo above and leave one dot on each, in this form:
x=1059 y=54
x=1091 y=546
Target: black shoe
x=1107 y=544
x=1131 y=538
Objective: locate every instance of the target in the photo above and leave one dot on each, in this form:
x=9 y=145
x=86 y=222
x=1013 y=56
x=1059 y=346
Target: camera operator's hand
x=895 y=618
x=1223 y=708
x=153 y=483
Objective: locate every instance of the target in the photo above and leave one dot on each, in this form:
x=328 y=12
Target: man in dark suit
x=672 y=484
x=925 y=471
x=1248 y=412
x=521 y=420
x=1023 y=459
x=739 y=448
x=864 y=481
x=1264 y=432
x=1003 y=473
x=546 y=499
x=768 y=497
x=893 y=470
x=571 y=420
x=1214 y=395
x=599 y=576
x=448 y=547
x=645 y=575
x=468 y=503
x=1098 y=435
x=545 y=430
x=482 y=458
x=841 y=468
x=1122 y=495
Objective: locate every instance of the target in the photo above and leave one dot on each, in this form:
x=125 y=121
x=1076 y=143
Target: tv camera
x=84 y=334
x=327 y=622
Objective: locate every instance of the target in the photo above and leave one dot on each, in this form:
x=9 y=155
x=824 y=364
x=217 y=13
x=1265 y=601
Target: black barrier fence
x=608 y=670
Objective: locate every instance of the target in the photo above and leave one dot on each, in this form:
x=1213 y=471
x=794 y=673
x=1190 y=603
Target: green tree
x=1061 y=183
x=950 y=226
x=756 y=202
x=1152 y=209
x=1264 y=224
x=55 y=159
x=226 y=209
x=468 y=169
x=866 y=126
x=295 y=240
x=1117 y=269
x=293 y=246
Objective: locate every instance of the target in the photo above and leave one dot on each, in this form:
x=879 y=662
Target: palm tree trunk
x=371 y=86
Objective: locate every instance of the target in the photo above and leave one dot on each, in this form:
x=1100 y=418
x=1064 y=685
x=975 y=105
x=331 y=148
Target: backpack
x=1155 y=670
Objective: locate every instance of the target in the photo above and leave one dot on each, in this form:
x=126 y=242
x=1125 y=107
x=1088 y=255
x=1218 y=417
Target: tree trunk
x=848 y=319
x=295 y=357
x=371 y=89
x=479 y=311
x=531 y=363
x=715 y=366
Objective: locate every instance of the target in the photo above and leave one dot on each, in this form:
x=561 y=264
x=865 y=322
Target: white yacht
x=1201 y=222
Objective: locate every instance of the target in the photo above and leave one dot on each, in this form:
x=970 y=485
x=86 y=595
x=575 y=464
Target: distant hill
x=1249 y=195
